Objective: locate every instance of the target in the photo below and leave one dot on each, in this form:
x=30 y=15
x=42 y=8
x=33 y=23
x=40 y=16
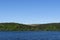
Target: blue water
x=30 y=35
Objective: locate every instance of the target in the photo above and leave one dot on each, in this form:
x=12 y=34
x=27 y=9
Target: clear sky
x=30 y=11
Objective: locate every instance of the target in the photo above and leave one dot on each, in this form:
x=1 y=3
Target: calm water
x=30 y=35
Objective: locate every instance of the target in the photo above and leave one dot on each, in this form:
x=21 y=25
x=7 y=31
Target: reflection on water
x=30 y=35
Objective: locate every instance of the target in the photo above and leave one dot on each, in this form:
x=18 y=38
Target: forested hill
x=33 y=27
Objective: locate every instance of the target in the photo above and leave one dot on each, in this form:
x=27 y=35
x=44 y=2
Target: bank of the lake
x=26 y=27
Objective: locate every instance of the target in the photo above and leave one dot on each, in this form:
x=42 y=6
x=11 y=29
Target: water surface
x=30 y=35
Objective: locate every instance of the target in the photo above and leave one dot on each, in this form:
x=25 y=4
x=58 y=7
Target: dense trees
x=23 y=27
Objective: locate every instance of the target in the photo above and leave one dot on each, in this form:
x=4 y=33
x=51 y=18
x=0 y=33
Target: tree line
x=23 y=27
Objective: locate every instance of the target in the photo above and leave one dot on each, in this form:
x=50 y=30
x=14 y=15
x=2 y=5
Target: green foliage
x=23 y=27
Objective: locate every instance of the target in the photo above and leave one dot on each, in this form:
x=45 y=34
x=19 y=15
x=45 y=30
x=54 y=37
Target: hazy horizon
x=30 y=11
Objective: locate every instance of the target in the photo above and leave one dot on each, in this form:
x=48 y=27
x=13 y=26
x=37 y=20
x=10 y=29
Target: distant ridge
x=33 y=27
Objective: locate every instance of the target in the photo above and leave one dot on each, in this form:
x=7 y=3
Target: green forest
x=32 y=27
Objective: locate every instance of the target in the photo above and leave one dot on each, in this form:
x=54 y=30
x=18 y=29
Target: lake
x=30 y=35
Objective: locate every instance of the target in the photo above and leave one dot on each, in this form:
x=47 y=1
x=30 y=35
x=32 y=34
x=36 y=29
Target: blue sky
x=30 y=11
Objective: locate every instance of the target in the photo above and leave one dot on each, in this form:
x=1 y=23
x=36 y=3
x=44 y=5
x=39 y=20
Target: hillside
x=49 y=26
x=13 y=26
x=33 y=27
